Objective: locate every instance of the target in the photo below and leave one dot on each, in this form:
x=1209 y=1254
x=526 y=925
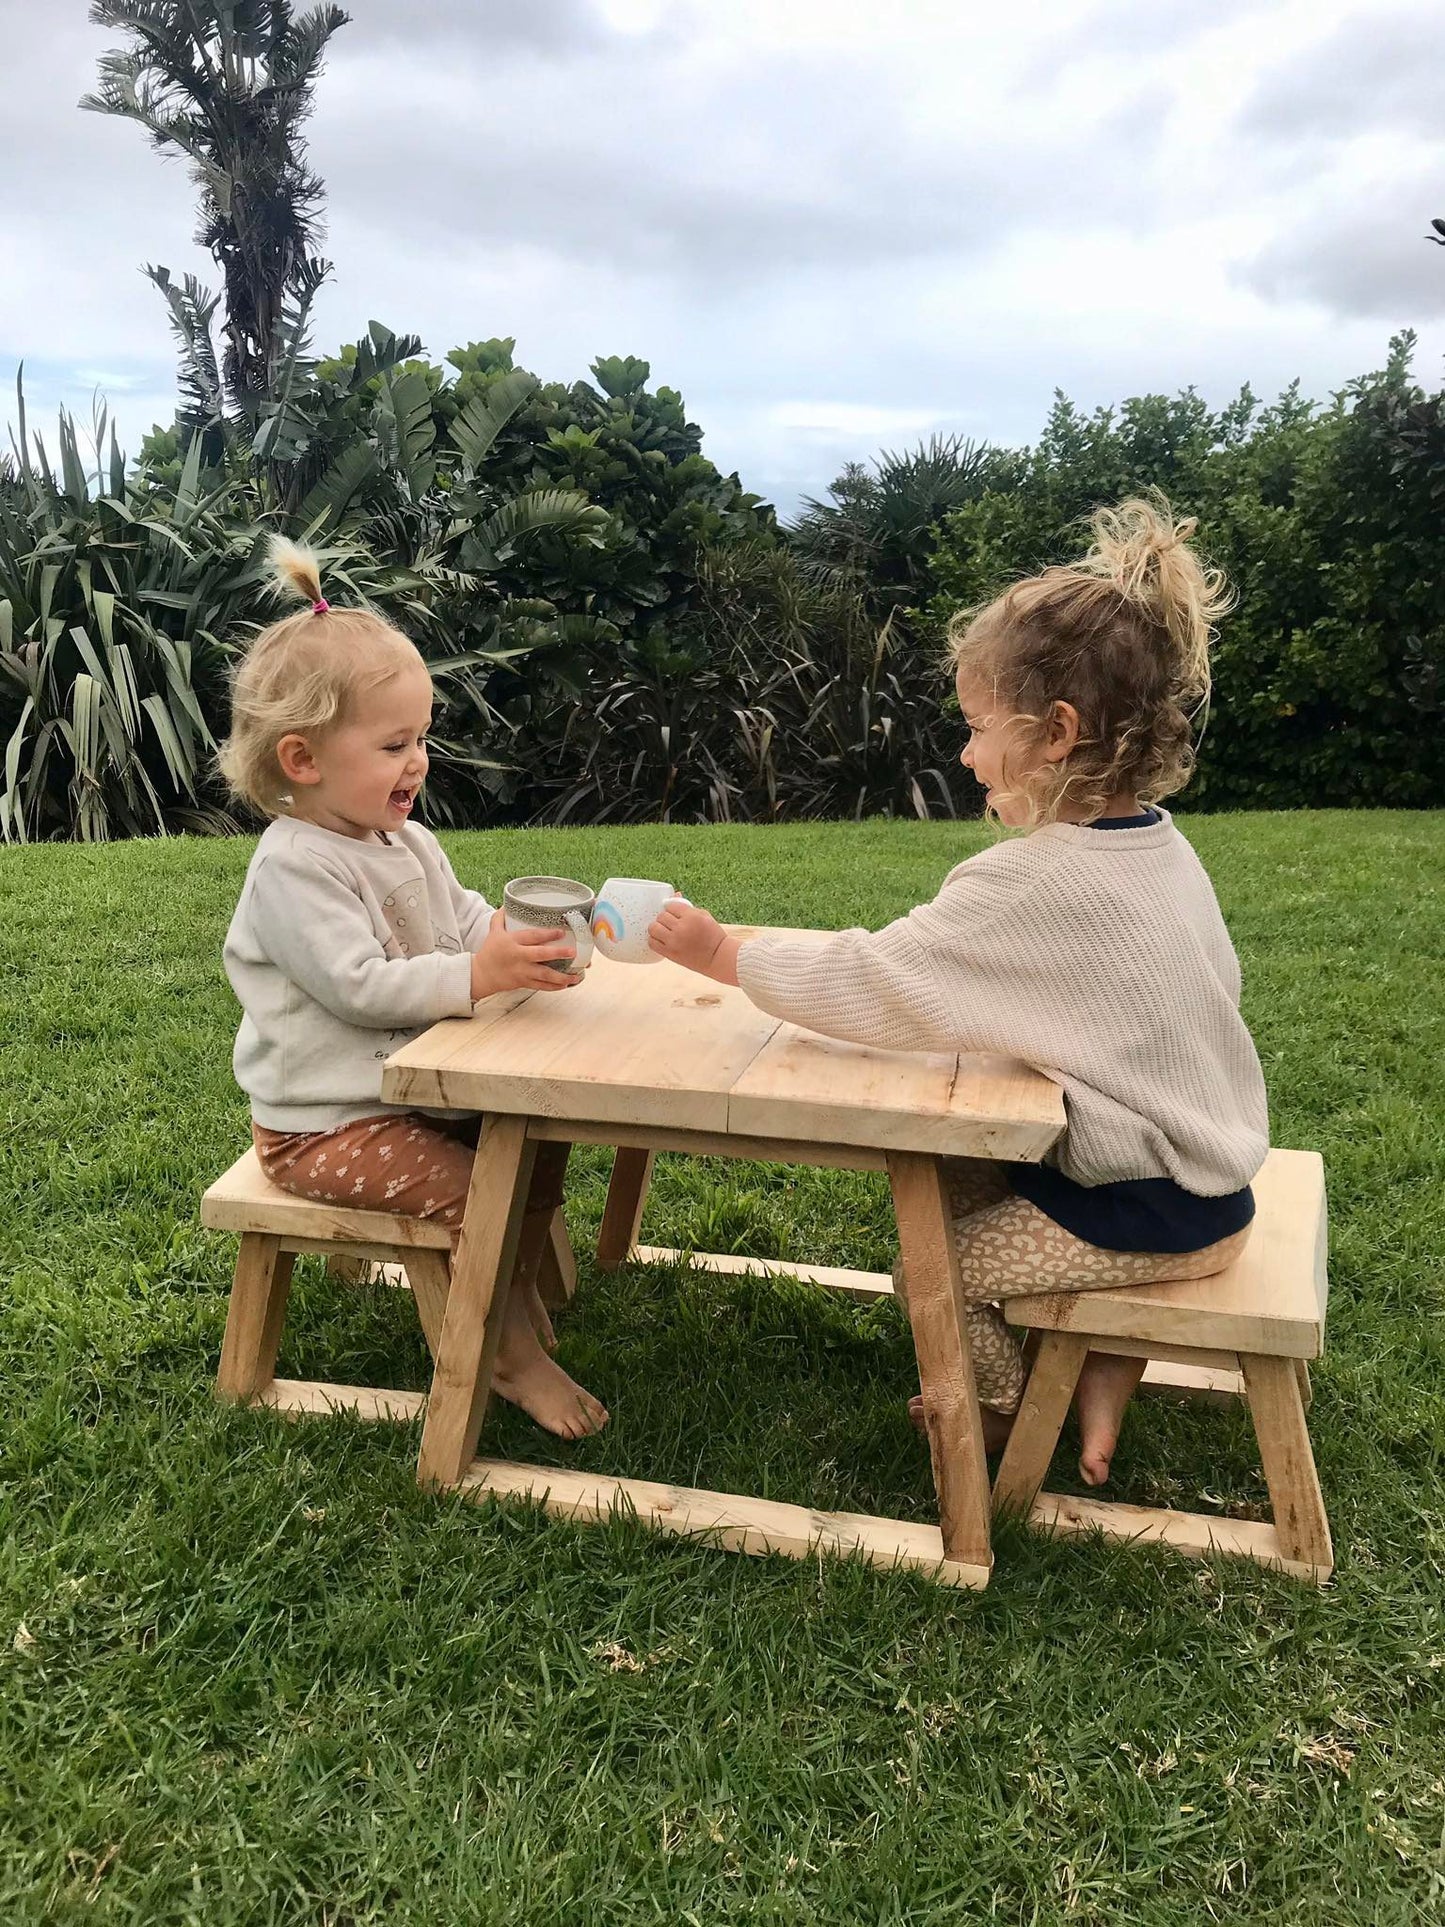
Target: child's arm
x=313 y=926
x=866 y=987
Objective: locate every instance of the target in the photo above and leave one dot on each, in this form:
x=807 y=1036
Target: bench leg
x=482 y=1272
x=429 y=1273
x=557 y=1274
x=549 y=1171
x=1047 y=1396
x=259 y=1292
x=945 y=1367
x=1277 y=1408
x=626 y=1196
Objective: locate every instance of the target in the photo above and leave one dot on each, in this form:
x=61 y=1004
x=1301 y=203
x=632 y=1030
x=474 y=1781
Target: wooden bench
x=1249 y=1331
x=1246 y=1333
x=274 y=1226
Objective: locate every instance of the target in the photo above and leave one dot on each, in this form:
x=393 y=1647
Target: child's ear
x=298 y=765
x=1063 y=733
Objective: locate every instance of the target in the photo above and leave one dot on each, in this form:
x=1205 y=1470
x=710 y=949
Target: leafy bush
x=1328 y=521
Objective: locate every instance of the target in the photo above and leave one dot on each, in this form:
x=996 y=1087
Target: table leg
x=945 y=1367
x=482 y=1269
x=626 y=1196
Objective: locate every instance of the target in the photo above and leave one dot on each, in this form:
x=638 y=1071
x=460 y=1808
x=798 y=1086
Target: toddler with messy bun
x=353 y=935
x=1091 y=947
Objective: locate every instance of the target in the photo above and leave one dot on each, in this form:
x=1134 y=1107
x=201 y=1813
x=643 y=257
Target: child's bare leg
x=1106 y=1385
x=526 y=1377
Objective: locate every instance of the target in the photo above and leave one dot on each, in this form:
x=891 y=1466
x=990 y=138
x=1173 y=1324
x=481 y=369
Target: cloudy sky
x=835 y=225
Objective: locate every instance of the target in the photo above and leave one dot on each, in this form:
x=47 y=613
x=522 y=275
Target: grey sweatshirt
x=1098 y=956
x=341 y=951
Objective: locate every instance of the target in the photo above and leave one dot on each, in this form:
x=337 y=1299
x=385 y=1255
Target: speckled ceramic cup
x=552 y=903
x=625 y=909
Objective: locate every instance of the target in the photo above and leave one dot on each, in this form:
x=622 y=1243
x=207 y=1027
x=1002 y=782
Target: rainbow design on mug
x=607 y=922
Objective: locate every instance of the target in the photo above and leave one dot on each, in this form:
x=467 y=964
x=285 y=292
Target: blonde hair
x=1124 y=636
x=302 y=675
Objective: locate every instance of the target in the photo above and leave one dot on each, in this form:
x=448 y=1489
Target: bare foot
x=545 y=1393
x=1105 y=1387
x=996 y=1425
x=525 y=1376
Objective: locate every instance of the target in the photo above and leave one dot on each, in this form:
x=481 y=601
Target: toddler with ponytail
x=1090 y=946
x=353 y=935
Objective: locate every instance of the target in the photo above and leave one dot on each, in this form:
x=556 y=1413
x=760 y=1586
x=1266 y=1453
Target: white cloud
x=834 y=226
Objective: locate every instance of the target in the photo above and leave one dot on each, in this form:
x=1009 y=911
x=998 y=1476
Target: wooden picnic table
x=655 y=1058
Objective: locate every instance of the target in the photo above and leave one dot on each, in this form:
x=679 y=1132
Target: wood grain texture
x=662 y=1047
x=728 y=1520
x=864 y=1286
x=244 y=1199
x=1289 y=1461
x=1270 y=1302
x=1190 y=1533
x=311 y=1398
x=257 y=1310
x=1192 y=1384
x=1050 y=1388
x=429 y=1274
x=626 y=1198
x=801 y=1085
x=476 y=1306
x=708 y=1144
x=657 y=1044
x=557 y=1277
x=945 y=1367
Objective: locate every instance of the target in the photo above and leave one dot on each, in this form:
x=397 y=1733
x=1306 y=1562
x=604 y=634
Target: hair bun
x=296 y=570
x=1144 y=553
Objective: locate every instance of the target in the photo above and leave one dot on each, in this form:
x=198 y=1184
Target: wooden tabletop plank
x=651 y=1044
x=660 y=1046
x=802 y=1085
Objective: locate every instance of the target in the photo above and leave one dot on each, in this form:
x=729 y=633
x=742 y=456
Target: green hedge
x=1331 y=524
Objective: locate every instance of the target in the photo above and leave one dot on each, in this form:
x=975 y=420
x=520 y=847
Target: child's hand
x=519 y=960
x=695 y=939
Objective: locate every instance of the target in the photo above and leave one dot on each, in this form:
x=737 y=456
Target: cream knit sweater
x=1100 y=957
x=341 y=951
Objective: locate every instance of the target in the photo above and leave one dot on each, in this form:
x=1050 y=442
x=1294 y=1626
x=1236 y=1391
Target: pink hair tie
x=320 y=606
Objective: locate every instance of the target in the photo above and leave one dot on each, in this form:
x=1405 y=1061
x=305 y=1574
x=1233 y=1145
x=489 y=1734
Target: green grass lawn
x=262 y=1679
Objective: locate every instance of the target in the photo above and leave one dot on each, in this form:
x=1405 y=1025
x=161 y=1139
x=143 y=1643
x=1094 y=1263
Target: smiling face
x=361 y=776
x=993 y=735
x=1006 y=751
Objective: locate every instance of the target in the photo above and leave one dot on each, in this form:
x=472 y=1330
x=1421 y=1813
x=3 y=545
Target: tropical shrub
x=776 y=697
x=124 y=596
x=113 y=618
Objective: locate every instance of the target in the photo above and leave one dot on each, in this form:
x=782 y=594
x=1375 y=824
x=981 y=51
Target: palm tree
x=875 y=535
x=228 y=83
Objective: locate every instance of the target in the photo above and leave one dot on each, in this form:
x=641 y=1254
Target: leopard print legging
x=1008 y=1248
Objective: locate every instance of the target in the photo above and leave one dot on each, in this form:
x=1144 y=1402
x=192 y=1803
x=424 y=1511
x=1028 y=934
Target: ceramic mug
x=552 y=903
x=624 y=910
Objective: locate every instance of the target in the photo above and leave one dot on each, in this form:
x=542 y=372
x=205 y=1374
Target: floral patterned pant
x=1008 y=1248
x=415 y=1166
